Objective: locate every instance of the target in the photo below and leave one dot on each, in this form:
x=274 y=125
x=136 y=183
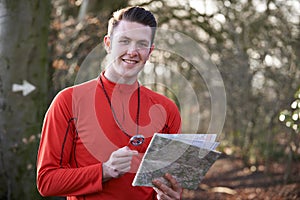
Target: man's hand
x=165 y=192
x=118 y=163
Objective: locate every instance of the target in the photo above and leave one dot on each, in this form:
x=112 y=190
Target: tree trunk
x=23 y=57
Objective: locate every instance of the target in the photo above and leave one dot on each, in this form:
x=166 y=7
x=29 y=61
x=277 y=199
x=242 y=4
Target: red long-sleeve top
x=80 y=133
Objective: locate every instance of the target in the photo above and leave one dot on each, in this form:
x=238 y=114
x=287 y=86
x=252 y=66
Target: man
x=94 y=134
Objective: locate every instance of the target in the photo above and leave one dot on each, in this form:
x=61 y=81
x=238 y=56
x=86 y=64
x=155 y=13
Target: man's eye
x=143 y=45
x=124 y=41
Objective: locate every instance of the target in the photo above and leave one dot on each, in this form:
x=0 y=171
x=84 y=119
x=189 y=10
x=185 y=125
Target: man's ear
x=107 y=43
x=151 y=49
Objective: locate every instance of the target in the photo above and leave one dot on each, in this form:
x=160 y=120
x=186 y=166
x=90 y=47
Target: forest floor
x=228 y=178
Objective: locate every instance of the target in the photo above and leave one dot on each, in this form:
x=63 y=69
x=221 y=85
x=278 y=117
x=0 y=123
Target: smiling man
x=129 y=48
x=95 y=134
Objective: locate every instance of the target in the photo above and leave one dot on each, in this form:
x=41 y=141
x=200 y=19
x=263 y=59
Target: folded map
x=187 y=157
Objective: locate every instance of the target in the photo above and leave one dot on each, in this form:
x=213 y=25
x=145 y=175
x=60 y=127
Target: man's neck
x=118 y=79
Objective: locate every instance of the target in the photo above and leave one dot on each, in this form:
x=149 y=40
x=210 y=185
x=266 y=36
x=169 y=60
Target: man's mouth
x=129 y=61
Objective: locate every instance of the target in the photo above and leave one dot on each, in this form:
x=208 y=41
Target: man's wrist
x=105 y=175
x=108 y=173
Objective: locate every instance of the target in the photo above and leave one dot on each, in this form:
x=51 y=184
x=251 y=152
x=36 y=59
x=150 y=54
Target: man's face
x=129 y=48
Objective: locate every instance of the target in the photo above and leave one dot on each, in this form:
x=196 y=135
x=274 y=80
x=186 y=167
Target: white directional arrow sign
x=26 y=88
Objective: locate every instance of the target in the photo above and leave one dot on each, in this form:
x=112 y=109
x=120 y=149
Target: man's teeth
x=130 y=61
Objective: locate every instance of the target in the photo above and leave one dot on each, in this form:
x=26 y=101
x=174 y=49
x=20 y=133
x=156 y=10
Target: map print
x=187 y=157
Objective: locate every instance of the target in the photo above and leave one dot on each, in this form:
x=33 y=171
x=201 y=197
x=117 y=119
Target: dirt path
x=230 y=179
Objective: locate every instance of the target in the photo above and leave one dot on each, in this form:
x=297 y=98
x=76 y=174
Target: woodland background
x=255 y=45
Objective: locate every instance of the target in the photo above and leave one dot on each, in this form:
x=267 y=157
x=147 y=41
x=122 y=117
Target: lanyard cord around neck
x=114 y=114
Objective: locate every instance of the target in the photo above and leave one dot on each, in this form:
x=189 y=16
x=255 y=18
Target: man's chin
x=131 y=73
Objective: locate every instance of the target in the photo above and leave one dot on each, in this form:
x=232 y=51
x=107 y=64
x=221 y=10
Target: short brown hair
x=133 y=14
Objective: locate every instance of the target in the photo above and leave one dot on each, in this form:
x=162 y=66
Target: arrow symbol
x=26 y=88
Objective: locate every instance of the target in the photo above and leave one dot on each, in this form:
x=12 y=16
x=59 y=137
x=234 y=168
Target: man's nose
x=132 y=50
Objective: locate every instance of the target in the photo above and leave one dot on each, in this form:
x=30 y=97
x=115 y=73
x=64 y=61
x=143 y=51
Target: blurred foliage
x=291 y=116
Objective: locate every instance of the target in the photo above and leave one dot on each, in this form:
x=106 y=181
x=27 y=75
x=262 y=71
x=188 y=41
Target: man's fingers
x=166 y=192
x=165 y=189
x=174 y=184
x=160 y=195
x=124 y=166
x=125 y=152
x=121 y=160
x=124 y=170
